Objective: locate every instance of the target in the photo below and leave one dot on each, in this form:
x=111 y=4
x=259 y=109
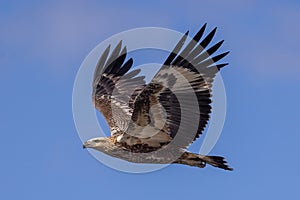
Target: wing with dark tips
x=115 y=88
x=199 y=56
x=179 y=96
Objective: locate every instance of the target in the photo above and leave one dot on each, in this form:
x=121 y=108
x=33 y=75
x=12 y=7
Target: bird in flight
x=156 y=122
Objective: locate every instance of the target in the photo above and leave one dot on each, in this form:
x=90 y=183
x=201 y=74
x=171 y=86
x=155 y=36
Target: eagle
x=151 y=123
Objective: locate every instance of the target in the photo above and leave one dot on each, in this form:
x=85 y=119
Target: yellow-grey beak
x=85 y=145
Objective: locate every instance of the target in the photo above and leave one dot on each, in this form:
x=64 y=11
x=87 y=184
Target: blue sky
x=42 y=44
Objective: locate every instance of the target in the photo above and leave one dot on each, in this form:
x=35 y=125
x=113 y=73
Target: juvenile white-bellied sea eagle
x=150 y=123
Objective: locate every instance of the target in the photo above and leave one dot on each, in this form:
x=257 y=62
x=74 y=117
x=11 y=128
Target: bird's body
x=155 y=122
x=165 y=155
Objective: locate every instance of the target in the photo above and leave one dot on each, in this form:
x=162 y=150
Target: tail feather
x=217 y=161
x=197 y=160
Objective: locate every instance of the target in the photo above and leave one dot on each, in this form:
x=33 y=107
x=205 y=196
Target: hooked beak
x=85 y=145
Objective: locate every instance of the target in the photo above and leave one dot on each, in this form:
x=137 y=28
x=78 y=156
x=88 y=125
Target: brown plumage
x=155 y=122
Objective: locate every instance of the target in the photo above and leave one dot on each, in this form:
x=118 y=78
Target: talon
x=203 y=164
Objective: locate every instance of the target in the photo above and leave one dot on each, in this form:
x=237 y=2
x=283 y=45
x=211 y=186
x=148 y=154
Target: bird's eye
x=97 y=141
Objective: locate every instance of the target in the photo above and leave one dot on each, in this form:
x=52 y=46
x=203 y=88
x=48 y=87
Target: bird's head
x=100 y=143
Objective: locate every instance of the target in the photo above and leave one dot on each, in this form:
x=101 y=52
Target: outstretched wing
x=198 y=57
x=179 y=94
x=115 y=88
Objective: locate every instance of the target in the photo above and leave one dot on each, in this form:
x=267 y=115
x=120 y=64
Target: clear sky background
x=42 y=44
